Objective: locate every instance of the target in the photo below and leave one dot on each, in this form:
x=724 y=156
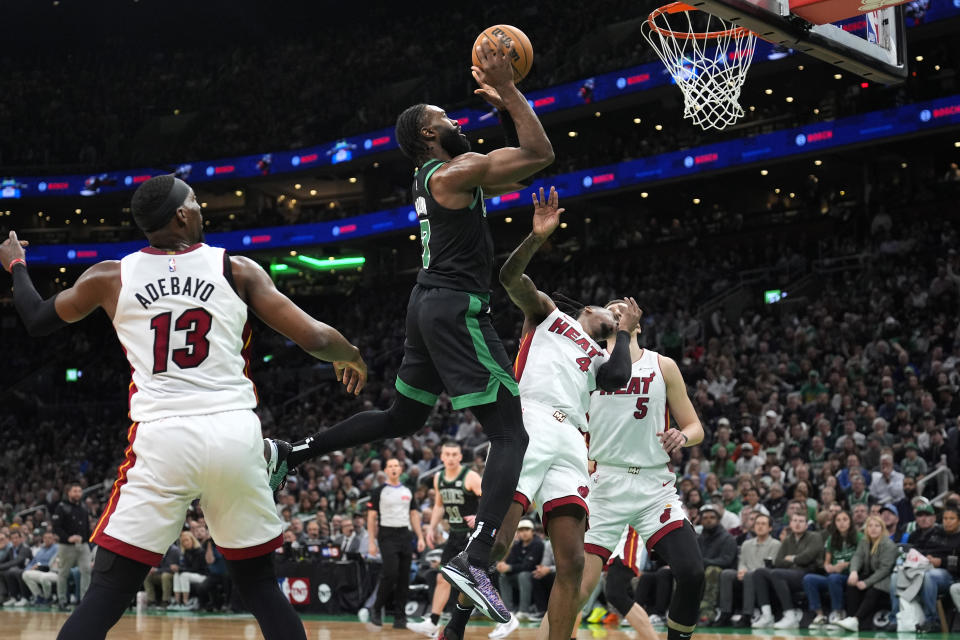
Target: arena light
x=73 y=375
x=331 y=263
x=279 y=268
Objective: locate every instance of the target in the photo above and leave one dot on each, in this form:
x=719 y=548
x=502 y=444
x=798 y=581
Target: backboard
x=869 y=43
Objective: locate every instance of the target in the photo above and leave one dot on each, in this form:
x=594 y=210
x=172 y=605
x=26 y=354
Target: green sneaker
x=276 y=452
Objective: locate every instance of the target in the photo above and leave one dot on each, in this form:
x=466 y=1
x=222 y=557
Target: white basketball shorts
x=555 y=465
x=644 y=498
x=169 y=463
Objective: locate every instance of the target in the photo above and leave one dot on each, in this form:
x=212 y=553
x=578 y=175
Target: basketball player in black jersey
x=456 y=494
x=451 y=344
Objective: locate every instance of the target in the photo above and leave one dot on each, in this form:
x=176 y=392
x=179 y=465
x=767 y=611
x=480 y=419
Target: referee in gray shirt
x=391 y=512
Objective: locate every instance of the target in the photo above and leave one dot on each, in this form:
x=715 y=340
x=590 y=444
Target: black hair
x=568 y=305
x=157 y=200
x=72 y=484
x=838 y=541
x=408 y=135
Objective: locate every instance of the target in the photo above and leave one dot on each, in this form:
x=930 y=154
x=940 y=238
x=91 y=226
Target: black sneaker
x=474 y=583
x=743 y=622
x=399 y=622
x=930 y=626
x=722 y=620
x=376 y=617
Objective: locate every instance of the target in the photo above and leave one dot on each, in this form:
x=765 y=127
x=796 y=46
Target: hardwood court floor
x=20 y=624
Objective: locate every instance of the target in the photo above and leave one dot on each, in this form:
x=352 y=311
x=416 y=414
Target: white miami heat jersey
x=624 y=423
x=557 y=366
x=184 y=330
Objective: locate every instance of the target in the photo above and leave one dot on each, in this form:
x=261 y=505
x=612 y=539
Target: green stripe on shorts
x=498 y=375
x=413 y=393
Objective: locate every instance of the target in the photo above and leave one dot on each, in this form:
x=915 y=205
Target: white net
x=707 y=57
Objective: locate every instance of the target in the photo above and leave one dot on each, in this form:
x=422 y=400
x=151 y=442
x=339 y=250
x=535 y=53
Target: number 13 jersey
x=185 y=333
x=624 y=423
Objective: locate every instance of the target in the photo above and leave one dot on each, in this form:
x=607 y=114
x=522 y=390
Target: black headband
x=160 y=216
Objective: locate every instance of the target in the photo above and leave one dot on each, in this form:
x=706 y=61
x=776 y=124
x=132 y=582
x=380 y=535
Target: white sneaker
x=819 y=621
x=763 y=622
x=836 y=616
x=22 y=602
x=10 y=602
x=424 y=627
x=363 y=615
x=850 y=623
x=521 y=616
x=790 y=620
x=504 y=629
x=656 y=621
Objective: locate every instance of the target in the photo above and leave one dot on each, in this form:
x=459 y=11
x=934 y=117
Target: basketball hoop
x=707 y=57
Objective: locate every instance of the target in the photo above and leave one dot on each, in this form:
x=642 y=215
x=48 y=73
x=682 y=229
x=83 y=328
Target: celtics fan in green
x=451 y=344
x=456 y=493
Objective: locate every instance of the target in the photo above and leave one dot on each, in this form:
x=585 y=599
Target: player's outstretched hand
x=630 y=316
x=546 y=213
x=352 y=374
x=671 y=440
x=12 y=249
x=487 y=92
x=495 y=69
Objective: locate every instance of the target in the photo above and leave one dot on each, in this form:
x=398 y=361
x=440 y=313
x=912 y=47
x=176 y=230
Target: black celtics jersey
x=457 y=244
x=457 y=501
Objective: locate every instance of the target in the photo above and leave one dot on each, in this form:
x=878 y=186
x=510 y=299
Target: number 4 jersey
x=624 y=423
x=557 y=366
x=184 y=330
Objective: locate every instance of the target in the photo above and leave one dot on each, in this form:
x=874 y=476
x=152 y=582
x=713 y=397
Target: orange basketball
x=514 y=42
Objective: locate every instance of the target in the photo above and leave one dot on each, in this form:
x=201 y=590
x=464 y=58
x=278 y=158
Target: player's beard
x=454 y=143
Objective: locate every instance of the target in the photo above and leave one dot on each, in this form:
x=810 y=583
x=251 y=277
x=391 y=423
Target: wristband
x=16 y=261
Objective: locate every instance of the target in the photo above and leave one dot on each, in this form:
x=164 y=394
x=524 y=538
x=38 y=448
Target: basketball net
x=708 y=59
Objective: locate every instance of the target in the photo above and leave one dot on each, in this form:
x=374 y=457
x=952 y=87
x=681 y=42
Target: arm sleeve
x=414 y=505
x=615 y=372
x=39 y=315
x=856 y=563
x=887 y=558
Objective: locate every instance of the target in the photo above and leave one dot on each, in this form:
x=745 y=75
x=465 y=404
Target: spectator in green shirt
x=842 y=539
x=913 y=464
x=812 y=387
x=731 y=501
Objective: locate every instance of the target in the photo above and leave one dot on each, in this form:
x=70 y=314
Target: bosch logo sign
x=800 y=140
x=925 y=115
x=688 y=162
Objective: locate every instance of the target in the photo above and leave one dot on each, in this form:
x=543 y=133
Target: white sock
x=766 y=610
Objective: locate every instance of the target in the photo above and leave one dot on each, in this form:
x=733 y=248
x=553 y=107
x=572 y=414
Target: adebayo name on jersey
x=175 y=286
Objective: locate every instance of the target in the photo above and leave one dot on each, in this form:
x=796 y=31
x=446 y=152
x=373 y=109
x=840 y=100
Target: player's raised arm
x=316 y=338
x=42 y=317
x=535 y=304
x=510 y=164
x=615 y=372
x=689 y=431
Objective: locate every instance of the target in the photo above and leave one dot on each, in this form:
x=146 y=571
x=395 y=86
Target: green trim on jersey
x=421 y=396
x=426 y=178
x=498 y=375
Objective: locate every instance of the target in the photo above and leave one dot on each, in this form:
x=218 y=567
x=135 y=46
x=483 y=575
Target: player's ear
x=428 y=133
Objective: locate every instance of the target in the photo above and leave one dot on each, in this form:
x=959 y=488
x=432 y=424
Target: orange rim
x=680 y=7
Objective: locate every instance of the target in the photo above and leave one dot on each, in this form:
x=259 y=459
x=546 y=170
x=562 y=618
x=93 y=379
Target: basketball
x=514 y=42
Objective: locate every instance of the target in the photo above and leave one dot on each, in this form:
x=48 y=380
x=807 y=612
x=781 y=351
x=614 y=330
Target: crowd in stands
x=828 y=408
